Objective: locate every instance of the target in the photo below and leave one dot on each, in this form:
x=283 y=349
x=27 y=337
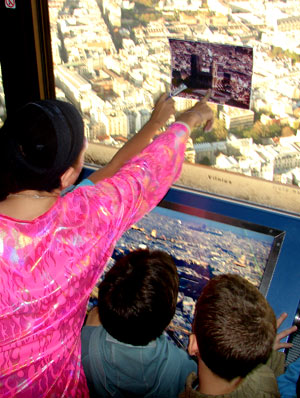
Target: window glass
x=2 y=101
x=112 y=61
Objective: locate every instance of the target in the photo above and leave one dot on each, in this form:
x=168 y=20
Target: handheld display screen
x=225 y=69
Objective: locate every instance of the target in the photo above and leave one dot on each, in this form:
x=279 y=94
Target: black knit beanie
x=40 y=141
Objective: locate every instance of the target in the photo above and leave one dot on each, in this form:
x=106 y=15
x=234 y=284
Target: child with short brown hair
x=234 y=332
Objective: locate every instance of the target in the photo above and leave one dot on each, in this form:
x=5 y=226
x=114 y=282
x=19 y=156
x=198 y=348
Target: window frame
x=28 y=74
x=26 y=56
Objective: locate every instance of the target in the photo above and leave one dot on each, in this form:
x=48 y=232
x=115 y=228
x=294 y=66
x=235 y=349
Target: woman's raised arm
x=199 y=114
x=163 y=109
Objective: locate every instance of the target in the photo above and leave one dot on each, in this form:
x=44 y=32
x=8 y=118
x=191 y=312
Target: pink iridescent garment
x=49 y=266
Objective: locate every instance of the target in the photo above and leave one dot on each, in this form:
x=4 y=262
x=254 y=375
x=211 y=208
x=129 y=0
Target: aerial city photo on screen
x=202 y=247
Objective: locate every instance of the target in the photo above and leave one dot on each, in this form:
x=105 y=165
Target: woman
x=53 y=247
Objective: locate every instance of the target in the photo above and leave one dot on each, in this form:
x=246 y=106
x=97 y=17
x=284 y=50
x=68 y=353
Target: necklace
x=34 y=196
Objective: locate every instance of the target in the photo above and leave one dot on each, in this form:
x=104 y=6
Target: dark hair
x=138 y=296
x=235 y=327
x=39 y=142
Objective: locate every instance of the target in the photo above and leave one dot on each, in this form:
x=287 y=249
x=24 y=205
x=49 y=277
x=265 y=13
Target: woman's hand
x=277 y=344
x=199 y=114
x=163 y=109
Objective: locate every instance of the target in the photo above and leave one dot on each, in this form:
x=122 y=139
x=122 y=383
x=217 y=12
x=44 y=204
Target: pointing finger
x=206 y=97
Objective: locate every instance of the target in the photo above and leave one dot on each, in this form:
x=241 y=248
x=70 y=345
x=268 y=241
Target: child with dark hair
x=234 y=337
x=128 y=355
x=53 y=247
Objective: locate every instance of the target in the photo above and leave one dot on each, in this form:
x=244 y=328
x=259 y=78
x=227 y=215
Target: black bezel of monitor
x=222 y=219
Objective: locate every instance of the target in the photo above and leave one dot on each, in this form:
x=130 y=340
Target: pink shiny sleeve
x=142 y=182
x=48 y=267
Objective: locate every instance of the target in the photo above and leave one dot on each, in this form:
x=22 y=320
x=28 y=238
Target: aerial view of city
x=225 y=69
x=201 y=249
x=112 y=59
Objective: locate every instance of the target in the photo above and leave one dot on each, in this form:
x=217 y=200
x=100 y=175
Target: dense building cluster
x=113 y=69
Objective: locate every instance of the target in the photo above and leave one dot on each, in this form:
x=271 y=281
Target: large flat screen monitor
x=209 y=234
x=204 y=244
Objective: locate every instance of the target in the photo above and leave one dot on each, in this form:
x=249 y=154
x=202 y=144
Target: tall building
x=73 y=85
x=118 y=124
x=201 y=78
x=235 y=117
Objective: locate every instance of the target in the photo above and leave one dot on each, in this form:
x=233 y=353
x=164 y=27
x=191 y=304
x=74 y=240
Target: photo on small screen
x=225 y=69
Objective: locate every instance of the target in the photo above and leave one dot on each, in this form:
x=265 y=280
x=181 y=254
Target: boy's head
x=234 y=327
x=138 y=296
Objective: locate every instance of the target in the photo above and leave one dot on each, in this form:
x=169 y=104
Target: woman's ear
x=68 y=178
x=72 y=173
x=193 y=346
